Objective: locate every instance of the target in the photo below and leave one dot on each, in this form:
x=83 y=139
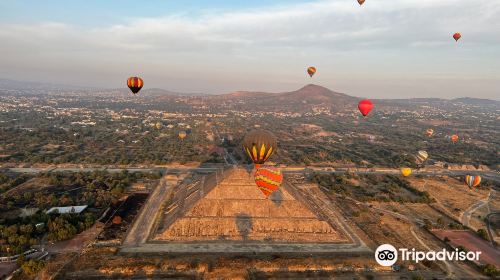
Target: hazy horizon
x=383 y=49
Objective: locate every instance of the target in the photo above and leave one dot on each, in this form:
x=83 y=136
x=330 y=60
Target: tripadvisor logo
x=387 y=255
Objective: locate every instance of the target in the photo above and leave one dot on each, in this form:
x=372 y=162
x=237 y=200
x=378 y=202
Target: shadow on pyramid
x=234 y=209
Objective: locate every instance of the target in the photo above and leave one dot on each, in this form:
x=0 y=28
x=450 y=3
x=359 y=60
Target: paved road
x=466 y=216
x=486 y=174
x=138 y=233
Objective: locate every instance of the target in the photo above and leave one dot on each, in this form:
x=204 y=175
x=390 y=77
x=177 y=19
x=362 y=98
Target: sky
x=383 y=49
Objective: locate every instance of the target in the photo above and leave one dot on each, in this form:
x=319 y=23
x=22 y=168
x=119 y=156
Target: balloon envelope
x=430 y=132
x=135 y=84
x=268 y=179
x=311 y=71
x=421 y=157
x=365 y=107
x=182 y=134
x=454 y=138
x=406 y=171
x=361 y=2
x=472 y=181
x=457 y=36
x=259 y=144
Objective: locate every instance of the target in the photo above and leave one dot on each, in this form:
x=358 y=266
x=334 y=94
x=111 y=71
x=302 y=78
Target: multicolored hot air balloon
x=259 y=145
x=405 y=171
x=472 y=181
x=454 y=138
x=311 y=71
x=135 y=84
x=421 y=157
x=361 y=2
x=268 y=179
x=365 y=107
x=182 y=134
x=457 y=36
x=430 y=132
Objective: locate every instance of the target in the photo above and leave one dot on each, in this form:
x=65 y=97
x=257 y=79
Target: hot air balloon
x=361 y=2
x=135 y=84
x=472 y=181
x=430 y=132
x=365 y=107
x=268 y=179
x=454 y=138
x=421 y=157
x=457 y=36
x=311 y=71
x=182 y=134
x=158 y=125
x=259 y=145
x=405 y=171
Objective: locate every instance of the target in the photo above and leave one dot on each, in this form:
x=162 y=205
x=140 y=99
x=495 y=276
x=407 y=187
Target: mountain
x=301 y=99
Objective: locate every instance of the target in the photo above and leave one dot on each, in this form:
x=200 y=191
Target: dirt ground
x=77 y=243
x=105 y=264
x=472 y=243
x=453 y=194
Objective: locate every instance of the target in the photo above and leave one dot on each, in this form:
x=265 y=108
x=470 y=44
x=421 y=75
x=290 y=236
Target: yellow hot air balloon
x=158 y=125
x=182 y=134
x=405 y=171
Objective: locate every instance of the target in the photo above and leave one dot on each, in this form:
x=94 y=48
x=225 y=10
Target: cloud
x=407 y=34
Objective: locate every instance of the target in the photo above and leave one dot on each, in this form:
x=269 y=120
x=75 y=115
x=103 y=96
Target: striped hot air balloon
x=259 y=144
x=268 y=179
x=135 y=84
x=405 y=171
x=421 y=157
x=472 y=181
x=311 y=71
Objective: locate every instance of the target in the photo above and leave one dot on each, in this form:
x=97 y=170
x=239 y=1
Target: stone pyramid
x=236 y=210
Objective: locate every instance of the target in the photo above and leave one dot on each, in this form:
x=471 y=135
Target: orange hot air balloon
x=268 y=179
x=182 y=134
x=457 y=36
x=365 y=107
x=430 y=132
x=454 y=138
x=361 y=2
x=135 y=84
x=311 y=71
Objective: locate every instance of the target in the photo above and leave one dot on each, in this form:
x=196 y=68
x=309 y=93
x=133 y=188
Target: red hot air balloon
x=365 y=107
x=268 y=179
x=361 y=2
x=135 y=84
x=457 y=36
x=454 y=138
